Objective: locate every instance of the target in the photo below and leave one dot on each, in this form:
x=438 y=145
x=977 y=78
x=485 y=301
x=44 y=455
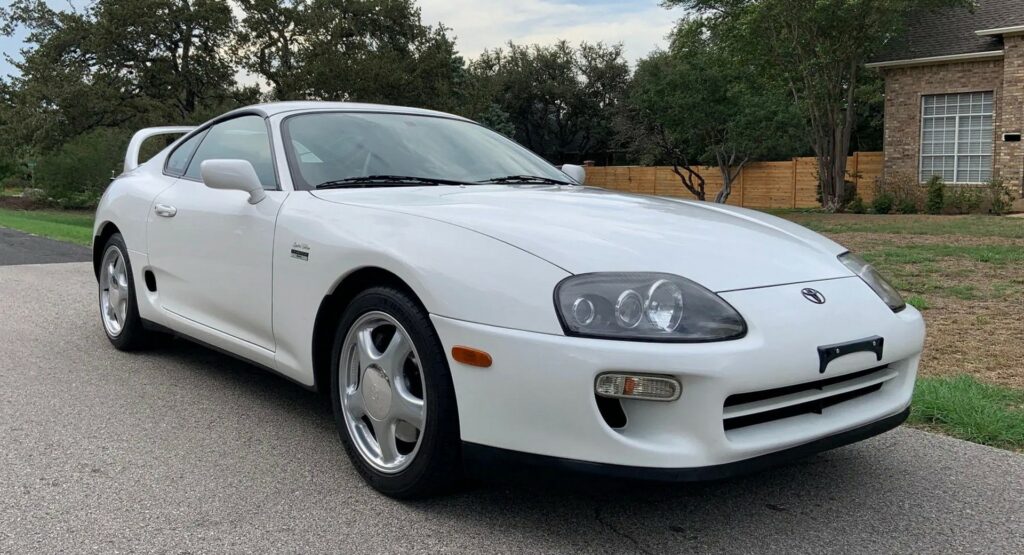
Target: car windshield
x=331 y=147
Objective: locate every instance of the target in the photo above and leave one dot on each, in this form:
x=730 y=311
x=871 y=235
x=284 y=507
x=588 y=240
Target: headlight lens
x=644 y=306
x=875 y=281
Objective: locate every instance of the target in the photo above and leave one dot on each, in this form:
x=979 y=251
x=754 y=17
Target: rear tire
x=393 y=398
x=119 y=312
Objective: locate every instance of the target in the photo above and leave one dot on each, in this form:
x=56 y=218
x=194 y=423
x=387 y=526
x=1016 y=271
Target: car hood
x=585 y=229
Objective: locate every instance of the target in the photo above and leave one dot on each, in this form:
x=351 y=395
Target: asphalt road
x=185 y=450
x=21 y=248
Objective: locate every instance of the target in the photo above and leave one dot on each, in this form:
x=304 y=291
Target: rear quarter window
x=177 y=162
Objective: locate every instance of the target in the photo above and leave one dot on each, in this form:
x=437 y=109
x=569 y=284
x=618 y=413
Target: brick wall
x=904 y=87
x=1009 y=157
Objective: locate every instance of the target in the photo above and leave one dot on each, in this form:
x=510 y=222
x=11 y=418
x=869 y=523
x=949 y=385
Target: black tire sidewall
x=437 y=465
x=133 y=335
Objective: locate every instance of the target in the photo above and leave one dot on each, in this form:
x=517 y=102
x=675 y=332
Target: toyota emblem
x=813 y=295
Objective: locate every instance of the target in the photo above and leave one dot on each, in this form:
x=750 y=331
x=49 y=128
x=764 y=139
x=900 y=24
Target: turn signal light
x=471 y=356
x=638 y=386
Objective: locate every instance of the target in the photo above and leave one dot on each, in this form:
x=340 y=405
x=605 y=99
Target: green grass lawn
x=963 y=407
x=911 y=224
x=73 y=227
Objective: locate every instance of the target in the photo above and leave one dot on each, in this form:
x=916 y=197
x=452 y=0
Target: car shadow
x=547 y=502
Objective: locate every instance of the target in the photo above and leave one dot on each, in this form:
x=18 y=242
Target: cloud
x=640 y=25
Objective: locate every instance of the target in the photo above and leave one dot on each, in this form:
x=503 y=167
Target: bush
x=857 y=205
x=75 y=175
x=963 y=199
x=998 y=198
x=882 y=204
x=903 y=192
x=935 y=201
x=906 y=206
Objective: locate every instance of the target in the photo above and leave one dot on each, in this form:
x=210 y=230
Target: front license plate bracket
x=828 y=353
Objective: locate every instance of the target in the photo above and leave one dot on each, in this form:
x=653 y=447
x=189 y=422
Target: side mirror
x=576 y=173
x=237 y=175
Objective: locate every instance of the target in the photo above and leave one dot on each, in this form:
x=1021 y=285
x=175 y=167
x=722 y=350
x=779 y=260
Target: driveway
x=182 y=449
x=21 y=248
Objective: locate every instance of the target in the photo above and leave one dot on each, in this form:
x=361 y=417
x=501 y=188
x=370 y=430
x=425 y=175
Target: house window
x=956 y=137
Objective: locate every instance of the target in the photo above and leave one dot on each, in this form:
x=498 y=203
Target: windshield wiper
x=525 y=179
x=386 y=181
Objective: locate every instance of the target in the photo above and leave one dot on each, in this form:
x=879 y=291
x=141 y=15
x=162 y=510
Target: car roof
x=273 y=108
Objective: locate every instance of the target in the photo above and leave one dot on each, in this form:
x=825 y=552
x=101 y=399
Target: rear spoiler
x=131 y=158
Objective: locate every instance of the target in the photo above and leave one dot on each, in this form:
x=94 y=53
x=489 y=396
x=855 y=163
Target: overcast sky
x=640 y=25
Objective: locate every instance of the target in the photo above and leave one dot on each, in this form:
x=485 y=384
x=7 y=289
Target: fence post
x=794 y=181
x=743 y=170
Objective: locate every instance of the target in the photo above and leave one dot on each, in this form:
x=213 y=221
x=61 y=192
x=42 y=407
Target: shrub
x=882 y=204
x=963 y=199
x=903 y=192
x=857 y=205
x=76 y=174
x=997 y=197
x=935 y=201
x=906 y=206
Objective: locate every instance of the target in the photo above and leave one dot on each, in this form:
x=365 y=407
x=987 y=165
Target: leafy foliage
x=700 y=103
x=935 y=201
x=557 y=100
x=818 y=50
x=999 y=198
x=77 y=173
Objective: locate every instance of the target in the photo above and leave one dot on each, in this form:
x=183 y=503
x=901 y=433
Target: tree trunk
x=693 y=181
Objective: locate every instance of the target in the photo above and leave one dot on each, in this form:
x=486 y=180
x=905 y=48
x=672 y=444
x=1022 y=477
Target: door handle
x=165 y=210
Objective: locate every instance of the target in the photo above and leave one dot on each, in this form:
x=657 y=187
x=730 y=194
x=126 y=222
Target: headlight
x=644 y=306
x=875 y=281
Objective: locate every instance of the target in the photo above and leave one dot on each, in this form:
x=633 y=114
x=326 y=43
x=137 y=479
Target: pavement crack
x=600 y=519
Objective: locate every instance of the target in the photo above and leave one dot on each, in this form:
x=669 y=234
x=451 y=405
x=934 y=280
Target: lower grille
x=748 y=409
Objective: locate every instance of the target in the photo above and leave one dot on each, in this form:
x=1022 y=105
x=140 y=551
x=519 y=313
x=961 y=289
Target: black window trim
x=218 y=120
x=299 y=183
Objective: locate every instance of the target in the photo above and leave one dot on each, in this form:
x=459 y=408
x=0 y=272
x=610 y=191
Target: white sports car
x=466 y=303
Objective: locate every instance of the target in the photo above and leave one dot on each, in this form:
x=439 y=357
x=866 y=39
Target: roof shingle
x=948 y=31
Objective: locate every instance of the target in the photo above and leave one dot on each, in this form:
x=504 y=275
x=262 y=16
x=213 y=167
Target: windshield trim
x=299 y=183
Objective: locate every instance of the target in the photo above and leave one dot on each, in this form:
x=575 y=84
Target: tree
x=698 y=103
x=818 y=49
x=559 y=99
x=362 y=50
x=90 y=76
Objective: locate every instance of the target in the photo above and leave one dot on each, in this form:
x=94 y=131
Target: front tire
x=394 y=402
x=119 y=312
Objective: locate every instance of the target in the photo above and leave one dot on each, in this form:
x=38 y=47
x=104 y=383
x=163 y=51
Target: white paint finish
x=554 y=377
x=213 y=260
x=131 y=157
x=584 y=229
x=484 y=261
x=949 y=58
x=1000 y=31
x=455 y=272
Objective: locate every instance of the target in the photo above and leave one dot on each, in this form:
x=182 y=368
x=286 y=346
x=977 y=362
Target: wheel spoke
x=392 y=360
x=122 y=311
x=354 y=403
x=368 y=353
x=385 y=433
x=406 y=407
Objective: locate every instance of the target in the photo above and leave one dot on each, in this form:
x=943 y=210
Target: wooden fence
x=789 y=184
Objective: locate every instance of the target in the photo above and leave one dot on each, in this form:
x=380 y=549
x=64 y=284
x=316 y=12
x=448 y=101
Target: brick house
x=954 y=95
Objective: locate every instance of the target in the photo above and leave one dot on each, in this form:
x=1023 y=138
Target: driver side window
x=242 y=138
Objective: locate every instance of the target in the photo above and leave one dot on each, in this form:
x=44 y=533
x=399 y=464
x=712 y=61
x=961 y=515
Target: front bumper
x=490 y=461
x=538 y=396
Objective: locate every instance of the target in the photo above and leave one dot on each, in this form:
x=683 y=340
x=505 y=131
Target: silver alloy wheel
x=114 y=293
x=383 y=393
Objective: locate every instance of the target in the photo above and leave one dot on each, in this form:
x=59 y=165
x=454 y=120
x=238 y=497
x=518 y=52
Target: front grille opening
x=816 y=407
x=611 y=411
x=743 y=398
